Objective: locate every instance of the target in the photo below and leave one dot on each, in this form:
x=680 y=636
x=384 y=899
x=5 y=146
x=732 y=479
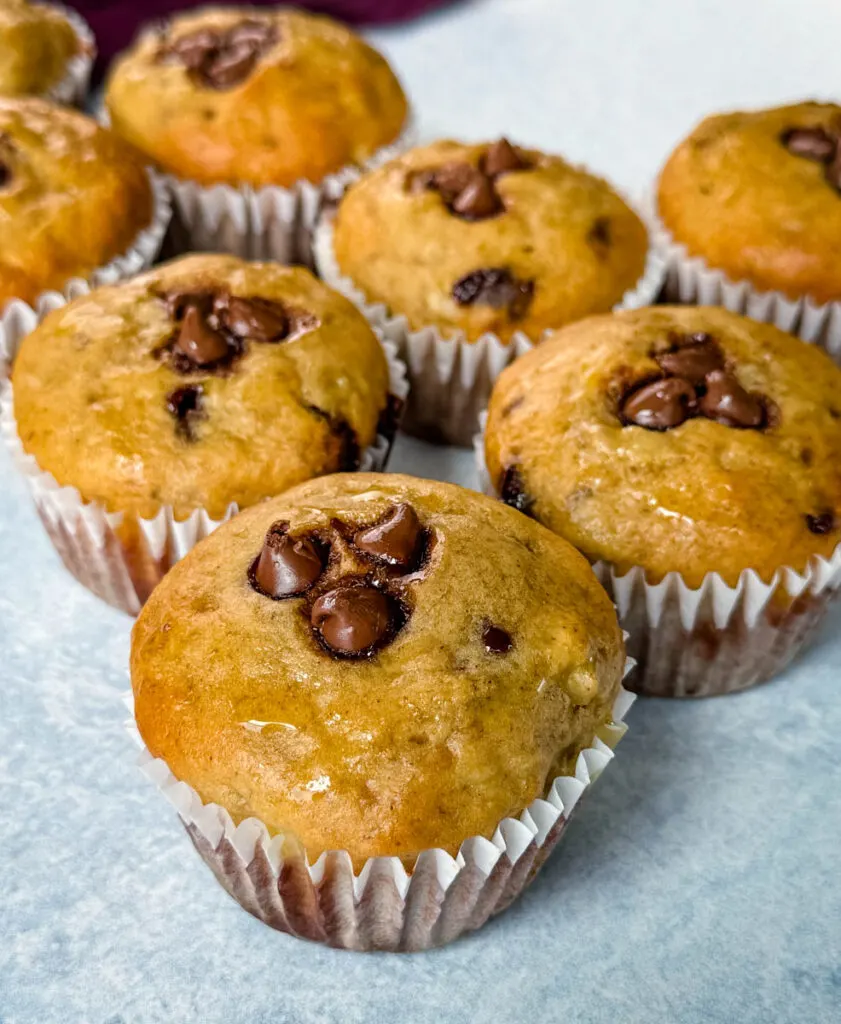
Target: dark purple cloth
x=115 y=23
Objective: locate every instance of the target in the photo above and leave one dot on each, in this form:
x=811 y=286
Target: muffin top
x=206 y=381
x=488 y=238
x=258 y=96
x=37 y=43
x=376 y=663
x=677 y=439
x=73 y=196
x=758 y=195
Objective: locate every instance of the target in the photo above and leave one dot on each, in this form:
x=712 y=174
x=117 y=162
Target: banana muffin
x=487 y=238
x=376 y=663
x=680 y=440
x=757 y=195
x=254 y=96
x=38 y=44
x=203 y=383
x=73 y=197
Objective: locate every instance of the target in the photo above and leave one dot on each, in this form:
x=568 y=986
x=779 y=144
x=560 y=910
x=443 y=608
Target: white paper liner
x=690 y=280
x=715 y=638
x=384 y=907
x=451 y=378
x=88 y=537
x=16 y=315
x=72 y=89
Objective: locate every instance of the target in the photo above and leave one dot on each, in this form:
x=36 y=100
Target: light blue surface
x=700 y=882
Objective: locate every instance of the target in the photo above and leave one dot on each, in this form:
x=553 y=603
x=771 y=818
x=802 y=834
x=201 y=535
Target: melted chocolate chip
x=496 y=287
x=692 y=361
x=354 y=619
x=287 y=566
x=822 y=523
x=185 y=404
x=252 y=31
x=513 y=491
x=452 y=179
x=813 y=143
x=177 y=302
x=194 y=47
x=503 y=158
x=478 y=200
x=221 y=60
x=599 y=235
x=199 y=342
x=395 y=539
x=258 y=319
x=496 y=640
x=468 y=192
x=659 y=405
x=5 y=174
x=727 y=402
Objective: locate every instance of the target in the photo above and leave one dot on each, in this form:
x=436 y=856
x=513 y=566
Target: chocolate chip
x=354 y=619
x=727 y=402
x=193 y=48
x=287 y=566
x=220 y=60
x=599 y=234
x=177 y=302
x=822 y=523
x=257 y=319
x=496 y=640
x=496 y=287
x=229 y=66
x=659 y=405
x=477 y=201
x=5 y=174
x=833 y=171
x=813 y=143
x=257 y=33
x=452 y=179
x=199 y=342
x=395 y=539
x=502 y=158
x=513 y=491
x=692 y=362
x=185 y=404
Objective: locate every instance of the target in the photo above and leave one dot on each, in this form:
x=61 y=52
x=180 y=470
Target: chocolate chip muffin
x=38 y=44
x=254 y=96
x=680 y=440
x=338 y=663
x=204 y=383
x=758 y=196
x=73 y=196
x=488 y=238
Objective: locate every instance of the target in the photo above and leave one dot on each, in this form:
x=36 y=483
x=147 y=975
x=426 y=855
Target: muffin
x=205 y=384
x=339 y=664
x=253 y=98
x=73 y=198
x=470 y=241
x=47 y=51
x=693 y=455
x=751 y=206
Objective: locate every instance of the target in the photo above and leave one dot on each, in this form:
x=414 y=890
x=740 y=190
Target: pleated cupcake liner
x=713 y=639
x=384 y=906
x=121 y=558
x=72 y=88
x=16 y=317
x=451 y=378
x=690 y=280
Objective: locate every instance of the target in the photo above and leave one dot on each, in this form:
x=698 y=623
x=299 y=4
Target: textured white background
x=700 y=883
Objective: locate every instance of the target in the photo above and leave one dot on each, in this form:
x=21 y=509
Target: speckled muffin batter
x=36 y=44
x=256 y=96
x=758 y=196
x=73 y=196
x=206 y=381
x=376 y=663
x=678 y=439
x=488 y=238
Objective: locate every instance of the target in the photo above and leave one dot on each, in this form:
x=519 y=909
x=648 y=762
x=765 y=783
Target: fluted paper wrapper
x=72 y=88
x=384 y=907
x=690 y=280
x=716 y=638
x=16 y=317
x=451 y=378
x=121 y=559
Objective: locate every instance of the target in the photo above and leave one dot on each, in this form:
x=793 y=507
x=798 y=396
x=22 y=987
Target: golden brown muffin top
x=493 y=658
x=206 y=381
x=73 y=196
x=258 y=96
x=488 y=238
x=679 y=439
x=758 y=195
x=36 y=42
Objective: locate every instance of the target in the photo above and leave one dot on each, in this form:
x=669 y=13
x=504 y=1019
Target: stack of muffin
x=375 y=699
